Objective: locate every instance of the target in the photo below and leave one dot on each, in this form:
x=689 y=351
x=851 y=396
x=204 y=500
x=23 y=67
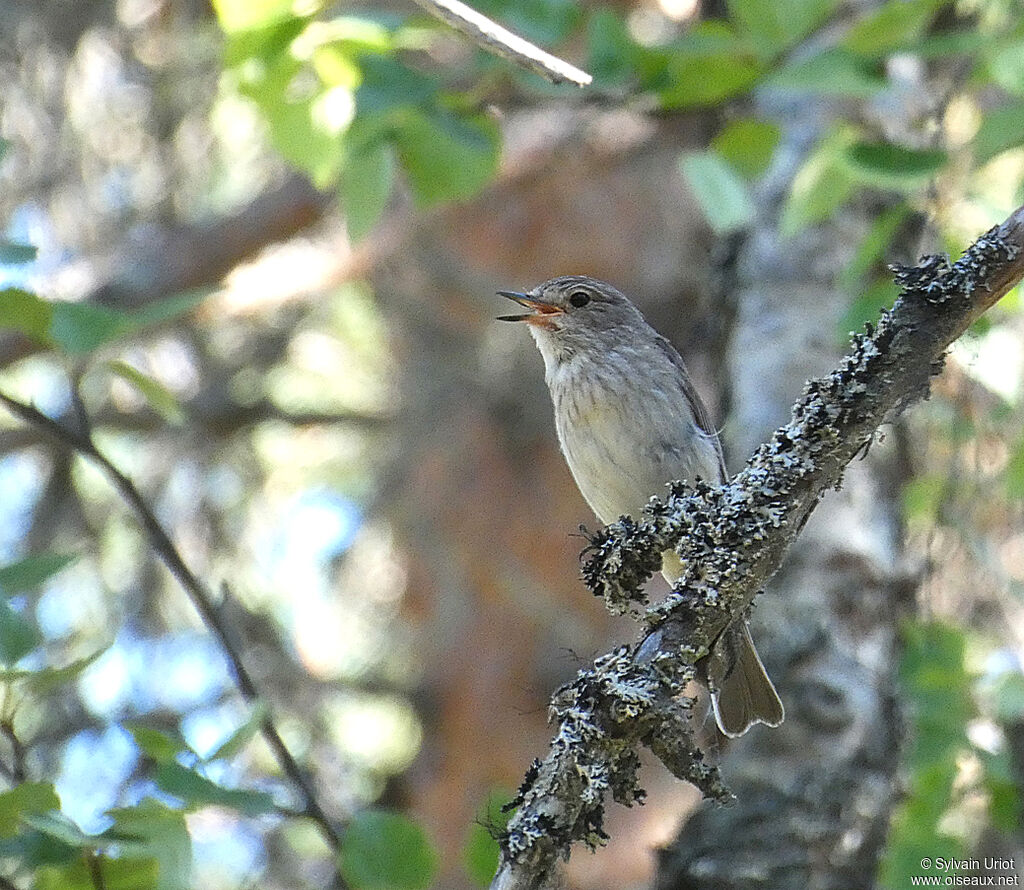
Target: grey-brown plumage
x=629 y=421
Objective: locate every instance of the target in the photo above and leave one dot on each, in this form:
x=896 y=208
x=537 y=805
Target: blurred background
x=256 y=244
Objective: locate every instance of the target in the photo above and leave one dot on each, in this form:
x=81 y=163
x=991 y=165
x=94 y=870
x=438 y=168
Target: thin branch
x=201 y=598
x=94 y=861
x=16 y=770
x=495 y=39
x=732 y=539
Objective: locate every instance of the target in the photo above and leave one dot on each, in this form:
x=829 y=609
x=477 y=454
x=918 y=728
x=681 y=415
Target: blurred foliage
x=385 y=109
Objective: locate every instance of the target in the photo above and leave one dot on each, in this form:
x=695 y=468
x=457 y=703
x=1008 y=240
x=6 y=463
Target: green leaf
x=922 y=498
x=59 y=827
x=27 y=799
x=891 y=27
x=241 y=737
x=1007 y=67
x=197 y=791
x=820 y=187
x=18 y=635
x=544 y=22
x=720 y=190
x=159 y=397
x=242 y=15
x=386 y=851
x=612 y=55
x=44 y=681
x=26 y=312
x=886 y=165
x=156 y=744
x=1014 y=475
x=366 y=185
x=78 y=328
x=867 y=307
x=706 y=67
x=117 y=874
x=775 y=25
x=480 y=852
x=1008 y=698
x=154 y=831
x=832 y=72
x=32 y=571
x=1001 y=129
x=937 y=689
x=14 y=254
x=447 y=157
x=747 y=144
x=1006 y=810
x=169 y=308
x=291 y=98
x=871 y=251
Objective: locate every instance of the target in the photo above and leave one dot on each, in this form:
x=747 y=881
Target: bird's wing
x=700 y=411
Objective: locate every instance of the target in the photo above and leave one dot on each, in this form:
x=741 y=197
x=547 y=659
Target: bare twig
x=201 y=598
x=732 y=539
x=495 y=39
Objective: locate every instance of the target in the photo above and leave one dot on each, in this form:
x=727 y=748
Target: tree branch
x=495 y=39
x=732 y=539
x=82 y=443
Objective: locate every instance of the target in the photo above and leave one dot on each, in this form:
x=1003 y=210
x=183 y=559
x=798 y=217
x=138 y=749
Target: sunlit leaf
x=386 y=851
x=240 y=15
x=447 y=157
x=156 y=744
x=26 y=312
x=154 y=831
x=747 y=144
x=820 y=186
x=198 y=791
x=721 y=191
x=1001 y=129
x=699 y=77
x=159 y=397
x=922 y=497
x=1007 y=67
x=14 y=254
x=893 y=166
x=116 y=874
x=366 y=185
x=241 y=737
x=26 y=799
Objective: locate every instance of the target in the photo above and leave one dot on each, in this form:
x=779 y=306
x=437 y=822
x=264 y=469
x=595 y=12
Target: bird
x=629 y=421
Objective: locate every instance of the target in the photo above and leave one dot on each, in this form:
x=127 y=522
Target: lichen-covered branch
x=732 y=539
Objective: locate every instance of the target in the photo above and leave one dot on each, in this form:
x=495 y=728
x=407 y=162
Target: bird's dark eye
x=579 y=299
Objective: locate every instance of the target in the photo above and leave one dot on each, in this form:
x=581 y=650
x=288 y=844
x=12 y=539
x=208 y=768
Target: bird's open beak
x=540 y=311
